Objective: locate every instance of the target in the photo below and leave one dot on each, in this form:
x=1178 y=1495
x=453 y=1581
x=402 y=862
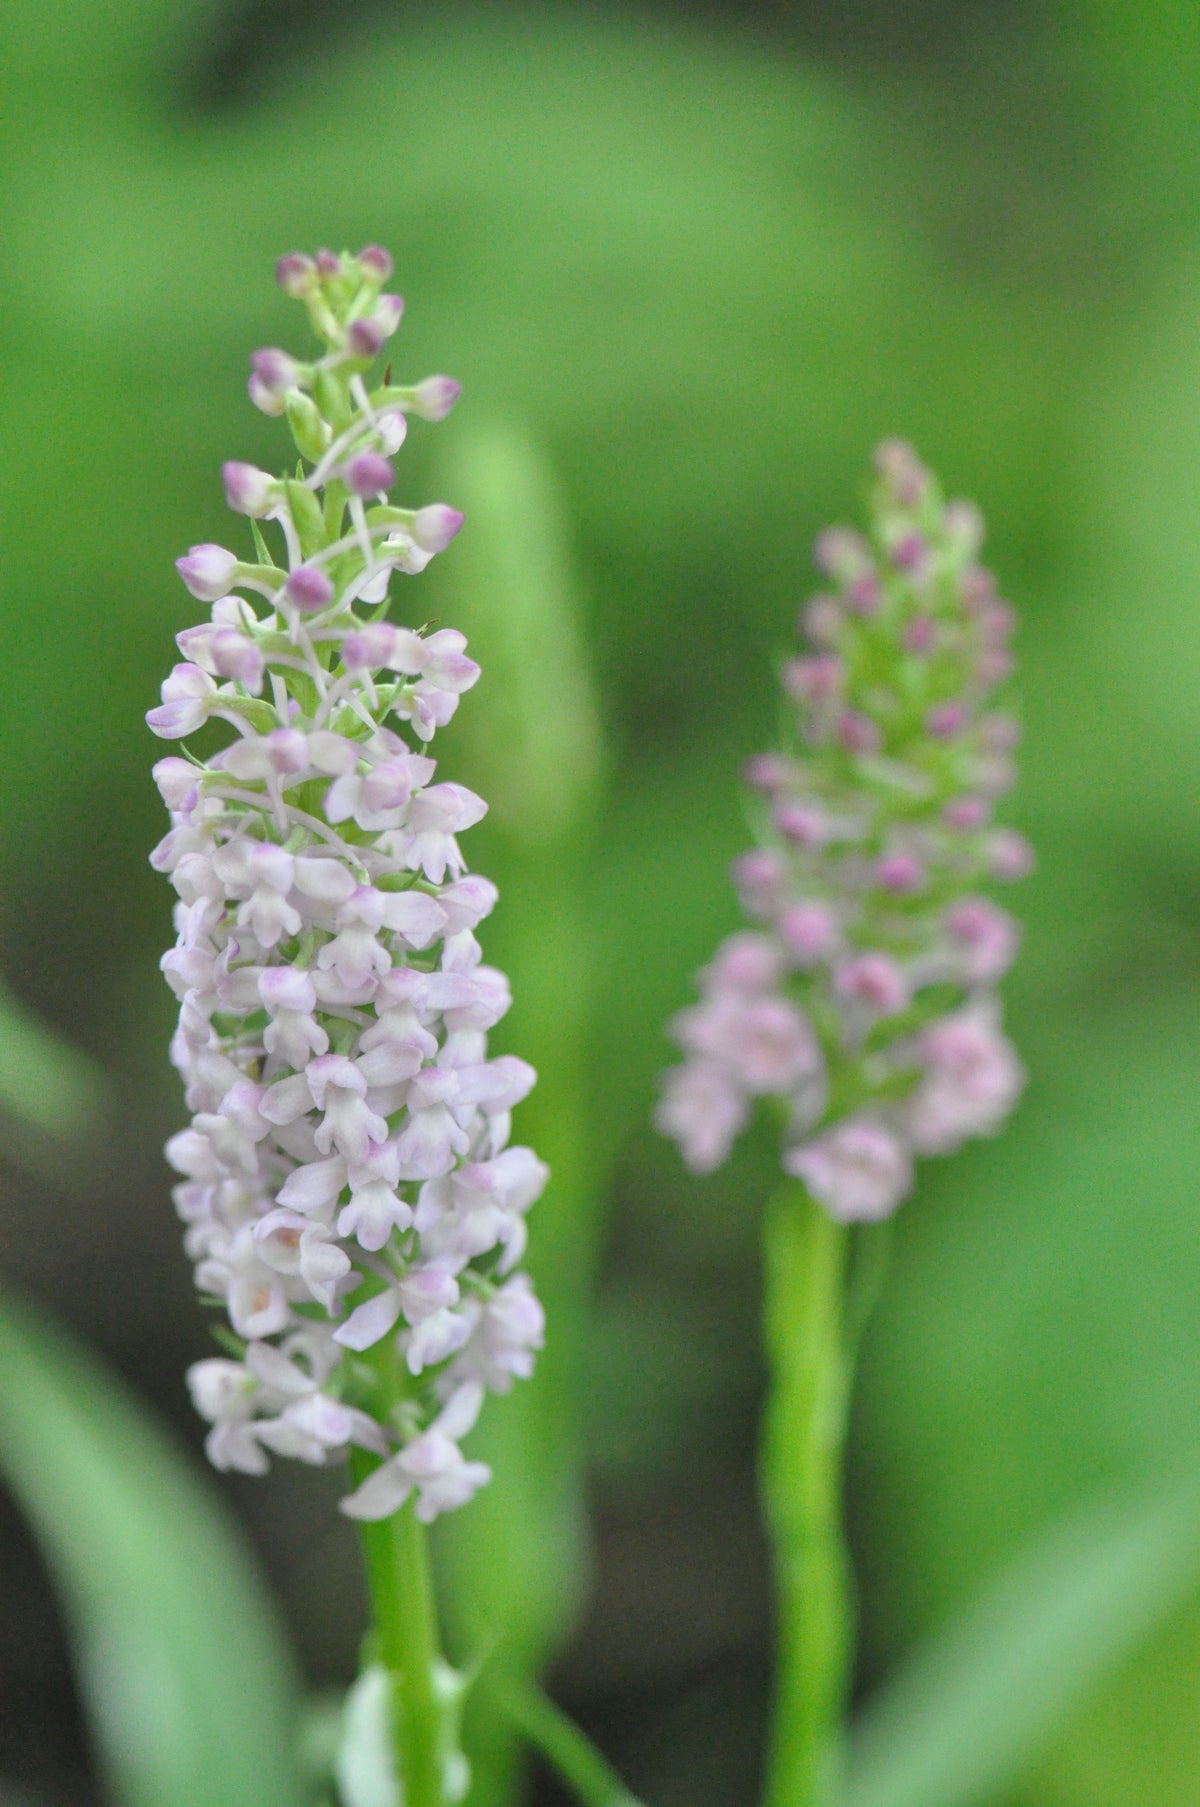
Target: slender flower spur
x=347 y=1184
x=862 y=1006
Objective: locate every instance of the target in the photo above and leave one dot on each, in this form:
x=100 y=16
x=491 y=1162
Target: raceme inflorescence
x=864 y=1003
x=348 y=1188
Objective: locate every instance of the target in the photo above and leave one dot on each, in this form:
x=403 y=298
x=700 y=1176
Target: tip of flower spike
x=904 y=477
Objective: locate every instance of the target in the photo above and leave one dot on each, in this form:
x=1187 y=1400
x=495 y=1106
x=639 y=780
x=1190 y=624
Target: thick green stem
x=803 y=1442
x=405 y=1621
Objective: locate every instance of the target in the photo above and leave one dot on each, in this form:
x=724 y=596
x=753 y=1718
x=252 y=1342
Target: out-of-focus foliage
x=702 y=271
x=964 y=1716
x=181 y=1659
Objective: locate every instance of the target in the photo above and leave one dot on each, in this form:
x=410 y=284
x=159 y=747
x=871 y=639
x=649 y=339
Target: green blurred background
x=689 y=262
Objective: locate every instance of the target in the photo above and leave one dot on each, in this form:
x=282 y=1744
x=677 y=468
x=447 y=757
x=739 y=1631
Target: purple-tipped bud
x=766 y=772
x=295 y=273
x=368 y=474
x=999 y=733
x=967 y=814
x=902 y=472
x=176 y=781
x=328 y=264
x=288 y=750
x=814 y=680
x=809 y=933
x=208 y=571
x=235 y=656
x=920 y=636
x=434 y=527
x=997 y=624
x=947 y=720
x=263 y=398
x=248 y=490
x=275 y=370
x=375 y=263
x=365 y=338
x=901 y=873
x=802 y=827
x=434 y=397
x=1010 y=856
x=308 y=589
x=873 y=980
x=910 y=552
x=977 y=588
x=842 y=553
x=962 y=524
x=758 y=876
x=987 y=938
x=821 y=620
x=864 y=594
x=858 y=733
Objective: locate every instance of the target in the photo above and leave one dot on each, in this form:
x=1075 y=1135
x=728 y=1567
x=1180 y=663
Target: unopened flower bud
x=375 y=263
x=858 y=733
x=967 y=814
x=842 y=553
x=275 y=370
x=295 y=273
x=248 y=490
x=208 y=571
x=1010 y=856
x=368 y=474
x=947 y=720
x=433 y=398
x=434 y=527
x=308 y=589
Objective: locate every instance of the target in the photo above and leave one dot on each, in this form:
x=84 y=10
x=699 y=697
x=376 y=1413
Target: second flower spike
x=863 y=1002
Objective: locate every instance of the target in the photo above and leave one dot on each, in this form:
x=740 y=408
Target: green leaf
x=969 y=1711
x=183 y=1665
x=45 y=1085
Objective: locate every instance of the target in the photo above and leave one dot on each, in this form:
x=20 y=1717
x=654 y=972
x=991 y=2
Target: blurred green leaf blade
x=971 y=1709
x=183 y=1666
x=45 y=1084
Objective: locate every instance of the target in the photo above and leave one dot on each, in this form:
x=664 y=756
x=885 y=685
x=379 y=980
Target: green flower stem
x=562 y=1744
x=405 y=1620
x=804 y=1438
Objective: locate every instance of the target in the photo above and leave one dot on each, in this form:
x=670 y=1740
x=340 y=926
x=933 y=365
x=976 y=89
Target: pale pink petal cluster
x=347 y=1180
x=864 y=1000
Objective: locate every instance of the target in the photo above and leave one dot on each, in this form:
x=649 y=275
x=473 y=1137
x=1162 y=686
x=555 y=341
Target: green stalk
x=564 y=1746
x=803 y=1443
x=404 y=1617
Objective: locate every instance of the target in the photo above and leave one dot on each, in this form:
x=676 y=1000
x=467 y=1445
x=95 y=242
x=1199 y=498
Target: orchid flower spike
x=863 y=1000
x=348 y=1187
